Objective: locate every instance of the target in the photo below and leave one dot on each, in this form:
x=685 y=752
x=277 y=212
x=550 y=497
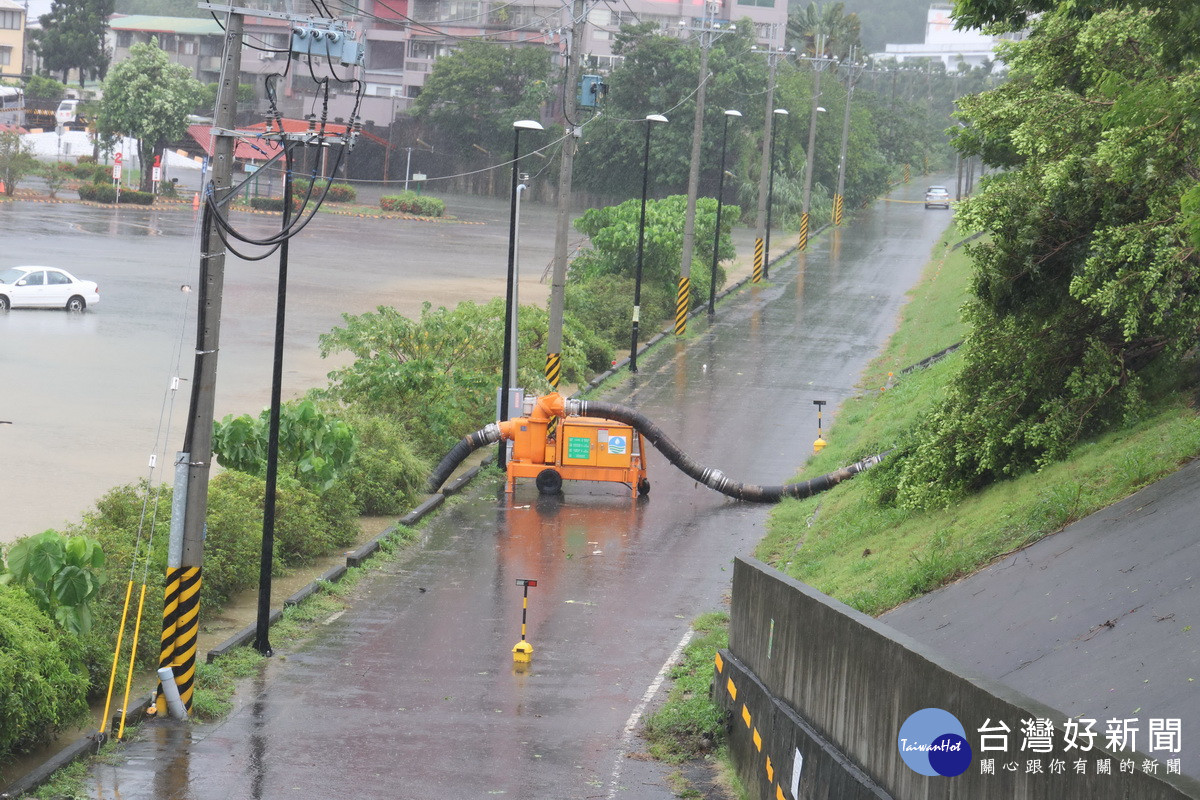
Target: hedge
x=413 y=203
x=43 y=684
x=107 y=193
x=338 y=192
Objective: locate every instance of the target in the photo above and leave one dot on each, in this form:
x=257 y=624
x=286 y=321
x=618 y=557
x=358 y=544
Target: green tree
x=658 y=76
x=16 y=161
x=829 y=24
x=474 y=95
x=41 y=87
x=72 y=37
x=149 y=98
x=1086 y=293
x=316 y=448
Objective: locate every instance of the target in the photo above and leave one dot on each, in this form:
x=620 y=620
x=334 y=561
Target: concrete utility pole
x=819 y=62
x=839 y=197
x=764 y=173
x=181 y=605
x=562 y=223
x=708 y=31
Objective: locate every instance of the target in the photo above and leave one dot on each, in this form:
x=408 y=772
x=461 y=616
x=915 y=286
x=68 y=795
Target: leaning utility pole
x=181 y=606
x=562 y=223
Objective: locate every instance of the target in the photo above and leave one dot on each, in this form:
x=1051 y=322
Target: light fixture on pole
x=779 y=112
x=712 y=278
x=509 y=310
x=651 y=119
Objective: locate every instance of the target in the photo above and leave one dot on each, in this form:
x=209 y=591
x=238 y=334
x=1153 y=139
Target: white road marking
x=636 y=716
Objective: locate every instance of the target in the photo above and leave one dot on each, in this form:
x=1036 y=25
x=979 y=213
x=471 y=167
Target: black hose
x=713 y=478
x=465 y=446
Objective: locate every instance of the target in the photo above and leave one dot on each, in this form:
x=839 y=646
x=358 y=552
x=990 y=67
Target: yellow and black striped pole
x=838 y=202
x=907 y=173
x=802 y=245
x=523 y=650
x=682 y=302
x=553 y=376
x=181 y=628
x=758 y=261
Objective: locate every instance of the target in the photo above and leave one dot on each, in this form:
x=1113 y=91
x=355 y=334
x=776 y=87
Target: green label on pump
x=579 y=447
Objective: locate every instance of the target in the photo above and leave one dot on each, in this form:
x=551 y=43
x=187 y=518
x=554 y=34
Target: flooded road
x=412 y=693
x=87 y=394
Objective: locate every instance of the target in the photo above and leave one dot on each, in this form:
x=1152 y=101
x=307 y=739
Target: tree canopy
x=72 y=37
x=147 y=97
x=476 y=93
x=1086 y=293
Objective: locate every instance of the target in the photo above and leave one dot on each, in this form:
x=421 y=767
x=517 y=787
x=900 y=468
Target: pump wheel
x=643 y=487
x=549 y=481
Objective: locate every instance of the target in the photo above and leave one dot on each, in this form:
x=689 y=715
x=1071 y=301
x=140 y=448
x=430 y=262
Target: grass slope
x=873 y=555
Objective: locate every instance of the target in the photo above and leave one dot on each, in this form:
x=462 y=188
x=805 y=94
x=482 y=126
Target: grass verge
x=874 y=556
x=688 y=730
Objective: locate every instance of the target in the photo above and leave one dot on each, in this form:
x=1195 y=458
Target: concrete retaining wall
x=805 y=673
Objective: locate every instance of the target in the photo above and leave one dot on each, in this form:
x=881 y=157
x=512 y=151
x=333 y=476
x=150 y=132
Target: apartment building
x=12 y=39
x=405 y=37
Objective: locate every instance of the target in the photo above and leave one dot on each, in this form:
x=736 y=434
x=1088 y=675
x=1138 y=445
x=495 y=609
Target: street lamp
x=510 y=311
x=712 y=280
x=780 y=112
x=651 y=119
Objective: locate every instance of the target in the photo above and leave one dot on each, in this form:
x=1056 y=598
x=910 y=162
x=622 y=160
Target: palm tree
x=837 y=30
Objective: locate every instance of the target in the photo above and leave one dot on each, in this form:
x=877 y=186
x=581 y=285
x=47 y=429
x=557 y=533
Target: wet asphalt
x=412 y=693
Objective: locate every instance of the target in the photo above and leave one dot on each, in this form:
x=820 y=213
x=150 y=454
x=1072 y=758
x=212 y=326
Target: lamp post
x=509 y=309
x=513 y=337
x=780 y=112
x=651 y=120
x=712 y=278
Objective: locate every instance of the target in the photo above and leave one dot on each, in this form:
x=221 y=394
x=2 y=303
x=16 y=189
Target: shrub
x=134 y=197
x=387 y=475
x=413 y=203
x=267 y=203
x=97 y=193
x=308 y=525
x=338 y=192
x=42 y=682
x=62 y=574
x=115 y=524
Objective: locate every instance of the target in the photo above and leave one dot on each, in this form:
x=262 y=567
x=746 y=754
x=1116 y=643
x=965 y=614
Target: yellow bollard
x=523 y=651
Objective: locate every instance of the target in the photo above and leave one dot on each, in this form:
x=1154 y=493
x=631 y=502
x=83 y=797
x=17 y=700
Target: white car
x=45 y=287
x=937 y=196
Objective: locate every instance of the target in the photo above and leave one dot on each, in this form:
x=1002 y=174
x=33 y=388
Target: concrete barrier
x=815 y=686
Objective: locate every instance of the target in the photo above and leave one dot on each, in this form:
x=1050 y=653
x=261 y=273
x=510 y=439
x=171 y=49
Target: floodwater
x=89 y=395
x=412 y=693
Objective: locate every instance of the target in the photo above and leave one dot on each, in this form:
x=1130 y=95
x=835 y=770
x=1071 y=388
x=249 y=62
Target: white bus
x=12 y=105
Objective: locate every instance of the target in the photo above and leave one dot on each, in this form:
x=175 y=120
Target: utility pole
x=764 y=173
x=708 y=33
x=839 y=197
x=185 y=559
x=818 y=61
x=562 y=222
